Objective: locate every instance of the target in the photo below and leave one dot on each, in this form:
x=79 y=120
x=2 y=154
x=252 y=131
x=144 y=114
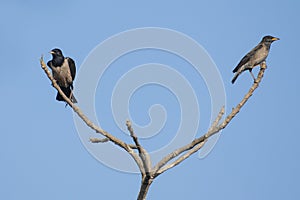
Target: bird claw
x=263 y=65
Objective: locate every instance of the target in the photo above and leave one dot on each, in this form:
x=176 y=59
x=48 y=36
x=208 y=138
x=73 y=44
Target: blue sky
x=42 y=156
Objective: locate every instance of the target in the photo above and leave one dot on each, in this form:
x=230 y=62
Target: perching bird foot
x=263 y=65
x=257 y=55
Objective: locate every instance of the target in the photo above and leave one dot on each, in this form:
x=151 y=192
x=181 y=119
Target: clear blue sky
x=41 y=154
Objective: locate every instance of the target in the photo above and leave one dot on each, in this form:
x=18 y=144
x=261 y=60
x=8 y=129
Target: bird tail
x=235 y=77
x=68 y=92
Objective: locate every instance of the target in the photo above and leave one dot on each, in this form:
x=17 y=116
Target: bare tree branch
x=103 y=140
x=134 y=137
x=142 y=152
x=145 y=185
x=191 y=145
x=233 y=113
x=198 y=143
x=180 y=159
x=98 y=140
x=217 y=120
x=89 y=123
x=143 y=159
x=190 y=148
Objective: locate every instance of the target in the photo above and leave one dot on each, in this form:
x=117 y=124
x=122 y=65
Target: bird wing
x=247 y=57
x=72 y=67
x=49 y=63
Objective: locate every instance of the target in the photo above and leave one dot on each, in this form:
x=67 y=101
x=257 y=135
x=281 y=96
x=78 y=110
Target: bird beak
x=275 y=38
x=51 y=52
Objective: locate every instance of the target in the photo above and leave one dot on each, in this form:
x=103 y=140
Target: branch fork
x=139 y=153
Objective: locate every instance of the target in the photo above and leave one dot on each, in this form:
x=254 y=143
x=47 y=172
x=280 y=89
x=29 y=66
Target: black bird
x=63 y=71
x=255 y=57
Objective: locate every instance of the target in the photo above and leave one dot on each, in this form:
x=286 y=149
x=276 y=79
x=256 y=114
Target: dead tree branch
x=97 y=140
x=143 y=159
x=89 y=123
x=142 y=152
x=198 y=143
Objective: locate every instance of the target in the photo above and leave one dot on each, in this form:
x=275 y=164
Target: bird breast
x=62 y=74
x=260 y=55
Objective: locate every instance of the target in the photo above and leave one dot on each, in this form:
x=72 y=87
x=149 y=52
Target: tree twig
x=98 y=140
x=198 y=143
x=180 y=159
x=143 y=159
x=255 y=85
x=89 y=123
x=142 y=152
x=189 y=146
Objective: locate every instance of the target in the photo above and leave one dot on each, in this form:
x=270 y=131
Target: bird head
x=57 y=57
x=56 y=53
x=269 y=39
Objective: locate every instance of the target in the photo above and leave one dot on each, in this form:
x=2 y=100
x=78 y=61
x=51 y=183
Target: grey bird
x=255 y=57
x=63 y=71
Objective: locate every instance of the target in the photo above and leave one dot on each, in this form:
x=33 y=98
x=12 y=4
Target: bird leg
x=70 y=97
x=252 y=75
